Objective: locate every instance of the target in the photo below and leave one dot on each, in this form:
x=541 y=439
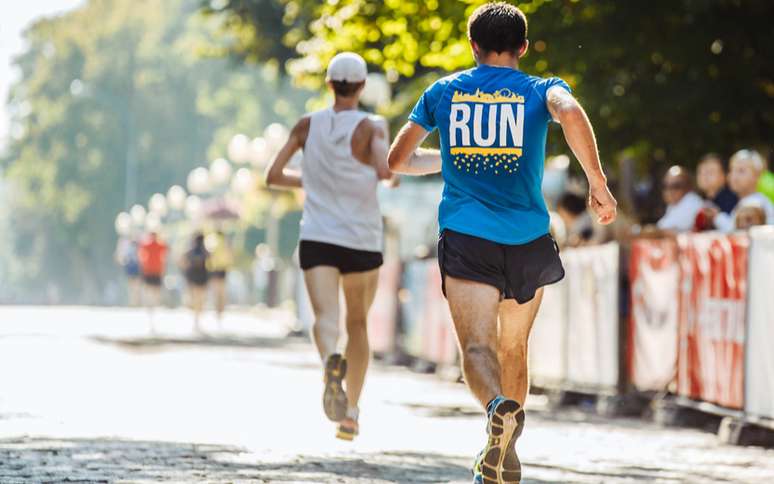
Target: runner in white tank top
x=345 y=157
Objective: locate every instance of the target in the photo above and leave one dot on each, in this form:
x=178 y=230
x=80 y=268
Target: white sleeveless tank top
x=341 y=205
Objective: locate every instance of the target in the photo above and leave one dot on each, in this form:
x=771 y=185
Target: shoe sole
x=345 y=435
x=506 y=426
x=334 y=397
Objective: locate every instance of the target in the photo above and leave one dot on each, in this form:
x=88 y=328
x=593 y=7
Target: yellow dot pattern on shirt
x=476 y=163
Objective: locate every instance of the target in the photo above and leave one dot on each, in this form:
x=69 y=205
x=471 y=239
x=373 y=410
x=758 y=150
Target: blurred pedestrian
x=746 y=168
x=194 y=266
x=683 y=204
x=152 y=255
x=711 y=182
x=345 y=156
x=579 y=227
x=126 y=256
x=219 y=263
x=494 y=249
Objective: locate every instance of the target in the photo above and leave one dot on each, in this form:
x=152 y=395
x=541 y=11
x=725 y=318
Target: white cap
x=348 y=67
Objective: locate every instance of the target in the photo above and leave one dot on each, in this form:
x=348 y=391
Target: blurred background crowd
x=115 y=110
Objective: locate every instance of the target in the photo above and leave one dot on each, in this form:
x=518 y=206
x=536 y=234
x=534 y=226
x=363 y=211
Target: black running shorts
x=152 y=279
x=346 y=260
x=516 y=270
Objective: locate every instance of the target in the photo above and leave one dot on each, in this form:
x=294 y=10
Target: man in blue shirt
x=494 y=249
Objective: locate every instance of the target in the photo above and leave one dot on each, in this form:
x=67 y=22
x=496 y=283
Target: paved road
x=88 y=395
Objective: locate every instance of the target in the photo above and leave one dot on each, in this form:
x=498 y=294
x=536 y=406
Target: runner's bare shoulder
x=361 y=139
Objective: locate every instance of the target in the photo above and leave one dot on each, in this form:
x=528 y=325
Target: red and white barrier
x=654 y=274
x=759 y=374
x=548 y=341
x=429 y=329
x=592 y=316
x=713 y=291
x=382 y=318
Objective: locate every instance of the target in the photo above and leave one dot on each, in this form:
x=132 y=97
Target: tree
x=663 y=82
x=109 y=91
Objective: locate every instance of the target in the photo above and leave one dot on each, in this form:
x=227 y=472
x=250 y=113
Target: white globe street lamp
x=276 y=135
x=176 y=197
x=220 y=172
x=239 y=149
x=242 y=182
x=377 y=91
x=193 y=207
x=259 y=152
x=199 y=180
x=158 y=205
x=138 y=215
x=123 y=224
x=152 y=222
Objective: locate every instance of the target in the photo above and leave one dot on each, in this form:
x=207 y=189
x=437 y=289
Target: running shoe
x=334 y=398
x=348 y=429
x=498 y=462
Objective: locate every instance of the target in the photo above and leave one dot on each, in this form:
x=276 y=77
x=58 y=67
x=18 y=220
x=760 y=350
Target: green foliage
x=113 y=85
x=663 y=81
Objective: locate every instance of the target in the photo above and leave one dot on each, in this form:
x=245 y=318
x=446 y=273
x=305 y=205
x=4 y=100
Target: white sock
x=353 y=413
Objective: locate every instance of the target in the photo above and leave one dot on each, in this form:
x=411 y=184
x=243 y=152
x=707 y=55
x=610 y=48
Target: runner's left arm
x=579 y=134
x=277 y=174
x=406 y=157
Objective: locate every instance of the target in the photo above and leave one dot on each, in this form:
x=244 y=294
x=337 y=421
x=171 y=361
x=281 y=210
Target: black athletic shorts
x=516 y=270
x=346 y=260
x=152 y=280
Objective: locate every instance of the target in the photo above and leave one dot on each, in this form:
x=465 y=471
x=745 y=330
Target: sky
x=16 y=16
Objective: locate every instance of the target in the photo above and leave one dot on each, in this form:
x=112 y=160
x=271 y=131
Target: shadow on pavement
x=215 y=341
x=109 y=460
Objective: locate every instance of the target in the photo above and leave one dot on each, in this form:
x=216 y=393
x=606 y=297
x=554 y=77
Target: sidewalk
x=86 y=395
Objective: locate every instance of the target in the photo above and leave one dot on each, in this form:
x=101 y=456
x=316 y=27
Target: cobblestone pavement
x=89 y=395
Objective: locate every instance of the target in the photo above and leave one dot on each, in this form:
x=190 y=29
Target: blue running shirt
x=492 y=123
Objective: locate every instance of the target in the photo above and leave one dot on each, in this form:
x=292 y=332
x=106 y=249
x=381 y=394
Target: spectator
x=194 y=265
x=711 y=181
x=683 y=204
x=127 y=257
x=746 y=169
x=578 y=224
x=749 y=215
x=153 y=260
x=220 y=262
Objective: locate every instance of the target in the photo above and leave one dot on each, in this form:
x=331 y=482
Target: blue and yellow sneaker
x=334 y=398
x=498 y=462
x=348 y=429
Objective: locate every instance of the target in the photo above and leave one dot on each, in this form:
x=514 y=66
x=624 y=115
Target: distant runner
x=494 y=249
x=194 y=265
x=219 y=263
x=153 y=262
x=345 y=156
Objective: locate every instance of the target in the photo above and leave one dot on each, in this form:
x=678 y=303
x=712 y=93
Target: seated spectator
x=683 y=204
x=746 y=169
x=577 y=221
x=711 y=181
x=748 y=216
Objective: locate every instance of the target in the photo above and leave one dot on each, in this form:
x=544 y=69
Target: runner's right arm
x=579 y=134
x=406 y=157
x=276 y=173
x=379 y=146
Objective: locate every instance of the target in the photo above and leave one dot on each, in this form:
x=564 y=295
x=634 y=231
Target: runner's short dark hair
x=498 y=27
x=346 y=89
